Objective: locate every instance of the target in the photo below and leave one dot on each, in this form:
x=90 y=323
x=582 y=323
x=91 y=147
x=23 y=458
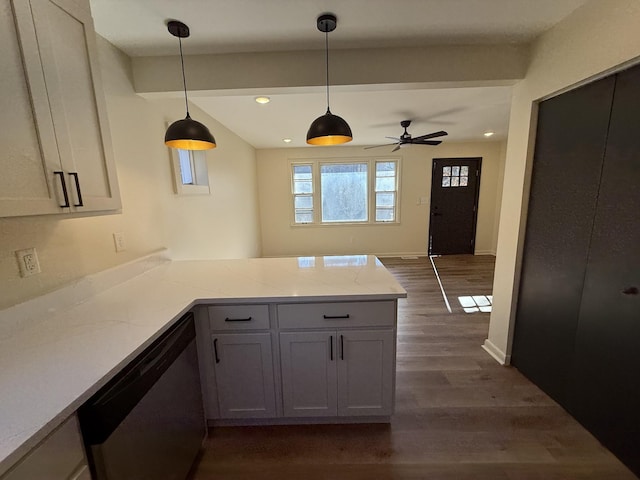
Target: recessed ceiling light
x=286 y=140
x=488 y=134
x=262 y=100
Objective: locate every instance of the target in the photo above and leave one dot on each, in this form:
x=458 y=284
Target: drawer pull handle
x=238 y=319
x=215 y=350
x=64 y=189
x=333 y=317
x=341 y=347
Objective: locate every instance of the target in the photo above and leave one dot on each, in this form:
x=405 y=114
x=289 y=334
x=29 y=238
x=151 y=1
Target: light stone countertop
x=58 y=350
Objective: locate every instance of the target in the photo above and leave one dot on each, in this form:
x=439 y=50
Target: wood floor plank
x=459 y=414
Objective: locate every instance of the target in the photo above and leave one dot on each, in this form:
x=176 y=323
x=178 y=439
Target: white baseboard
x=501 y=357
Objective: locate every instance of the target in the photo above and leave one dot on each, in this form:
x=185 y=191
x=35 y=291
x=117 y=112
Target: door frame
x=475 y=203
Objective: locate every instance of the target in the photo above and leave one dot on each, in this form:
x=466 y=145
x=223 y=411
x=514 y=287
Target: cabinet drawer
x=239 y=317
x=57 y=457
x=337 y=315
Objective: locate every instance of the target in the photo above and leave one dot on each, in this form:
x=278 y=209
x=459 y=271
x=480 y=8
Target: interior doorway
x=455 y=186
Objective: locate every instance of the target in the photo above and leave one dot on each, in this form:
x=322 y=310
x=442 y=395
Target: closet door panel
x=569 y=151
x=605 y=392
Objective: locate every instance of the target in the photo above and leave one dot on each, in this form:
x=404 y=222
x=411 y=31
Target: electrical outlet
x=28 y=262
x=118 y=239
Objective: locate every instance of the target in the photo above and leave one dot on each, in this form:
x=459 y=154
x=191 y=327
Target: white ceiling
x=138 y=28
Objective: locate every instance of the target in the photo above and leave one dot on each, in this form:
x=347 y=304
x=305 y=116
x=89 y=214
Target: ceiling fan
x=406 y=139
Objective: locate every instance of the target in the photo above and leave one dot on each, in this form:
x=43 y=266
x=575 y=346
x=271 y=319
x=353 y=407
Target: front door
x=455 y=186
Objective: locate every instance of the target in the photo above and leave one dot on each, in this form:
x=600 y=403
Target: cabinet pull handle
x=331 y=346
x=215 y=350
x=238 y=319
x=341 y=347
x=75 y=177
x=64 y=189
x=329 y=317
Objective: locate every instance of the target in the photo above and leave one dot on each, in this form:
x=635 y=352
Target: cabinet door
x=67 y=44
x=29 y=152
x=605 y=388
x=308 y=361
x=244 y=375
x=365 y=372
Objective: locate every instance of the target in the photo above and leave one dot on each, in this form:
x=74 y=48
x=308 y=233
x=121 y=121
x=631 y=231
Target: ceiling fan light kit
x=186 y=134
x=407 y=139
x=328 y=129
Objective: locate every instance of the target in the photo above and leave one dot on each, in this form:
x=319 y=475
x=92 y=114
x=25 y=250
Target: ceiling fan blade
x=441 y=133
x=397 y=139
x=427 y=142
x=376 y=146
x=397 y=148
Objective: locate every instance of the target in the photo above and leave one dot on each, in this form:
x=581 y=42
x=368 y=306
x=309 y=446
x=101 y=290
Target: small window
x=386 y=190
x=343 y=189
x=190 y=173
x=455 y=176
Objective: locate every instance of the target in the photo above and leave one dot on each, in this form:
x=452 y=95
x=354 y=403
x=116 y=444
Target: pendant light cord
x=326 y=47
x=184 y=79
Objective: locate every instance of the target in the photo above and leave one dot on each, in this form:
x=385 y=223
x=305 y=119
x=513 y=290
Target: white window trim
x=201 y=174
x=315 y=169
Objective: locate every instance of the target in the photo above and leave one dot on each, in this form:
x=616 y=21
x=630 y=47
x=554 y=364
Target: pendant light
x=329 y=129
x=186 y=134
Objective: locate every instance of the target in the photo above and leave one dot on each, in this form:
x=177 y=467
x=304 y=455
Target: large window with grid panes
x=363 y=191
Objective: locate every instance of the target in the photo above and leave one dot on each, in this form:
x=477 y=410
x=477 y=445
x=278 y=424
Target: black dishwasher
x=148 y=421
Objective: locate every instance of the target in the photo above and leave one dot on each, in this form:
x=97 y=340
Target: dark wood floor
x=459 y=414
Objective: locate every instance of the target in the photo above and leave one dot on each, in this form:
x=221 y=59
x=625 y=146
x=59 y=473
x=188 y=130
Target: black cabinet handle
x=331 y=346
x=631 y=291
x=215 y=350
x=328 y=317
x=64 y=189
x=75 y=177
x=341 y=347
x=238 y=319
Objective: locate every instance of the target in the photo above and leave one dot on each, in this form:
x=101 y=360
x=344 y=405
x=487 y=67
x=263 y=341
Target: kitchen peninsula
x=58 y=350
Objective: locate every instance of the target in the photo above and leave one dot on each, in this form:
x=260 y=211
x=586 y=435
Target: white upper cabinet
x=57 y=147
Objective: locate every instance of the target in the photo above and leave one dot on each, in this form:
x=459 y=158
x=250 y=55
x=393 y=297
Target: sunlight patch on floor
x=476 y=303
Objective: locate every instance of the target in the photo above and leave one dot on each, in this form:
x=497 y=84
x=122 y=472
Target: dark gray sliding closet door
x=569 y=151
x=605 y=393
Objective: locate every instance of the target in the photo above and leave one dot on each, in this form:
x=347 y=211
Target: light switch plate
x=28 y=262
x=118 y=240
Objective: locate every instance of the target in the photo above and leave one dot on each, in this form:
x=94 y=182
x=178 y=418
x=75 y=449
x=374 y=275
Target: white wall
x=224 y=224
x=280 y=238
x=596 y=39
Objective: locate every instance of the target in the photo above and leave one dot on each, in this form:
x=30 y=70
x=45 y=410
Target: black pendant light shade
x=328 y=129
x=186 y=134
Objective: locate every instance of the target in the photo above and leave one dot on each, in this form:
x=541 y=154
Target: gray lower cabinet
x=244 y=375
x=283 y=361
x=337 y=373
x=59 y=457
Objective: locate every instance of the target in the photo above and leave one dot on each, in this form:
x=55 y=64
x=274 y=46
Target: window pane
x=303 y=187
x=464 y=181
x=454 y=181
x=446 y=181
x=385 y=199
x=304 y=201
x=304 y=217
x=186 y=170
x=386 y=169
x=446 y=171
x=302 y=172
x=464 y=171
x=343 y=189
x=455 y=171
x=385 y=184
x=384 y=215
